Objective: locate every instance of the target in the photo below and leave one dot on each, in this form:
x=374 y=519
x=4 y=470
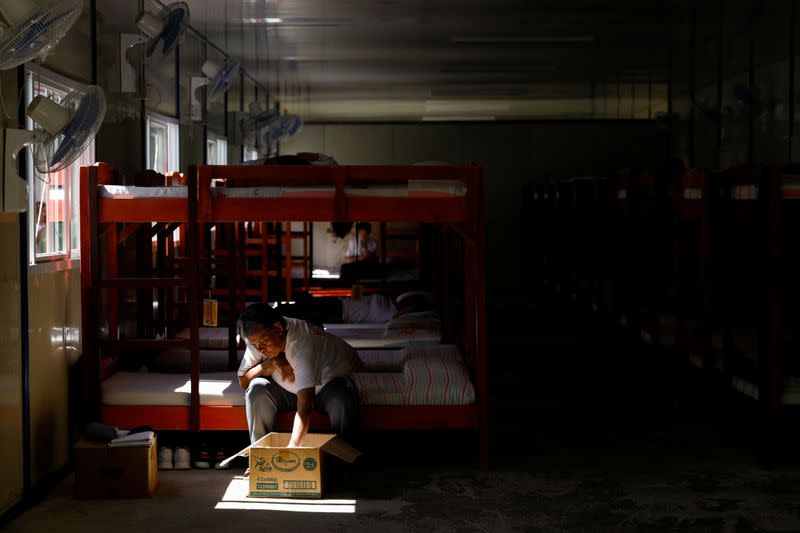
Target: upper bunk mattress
x=412 y=189
x=131 y=192
x=150 y=388
x=275 y=192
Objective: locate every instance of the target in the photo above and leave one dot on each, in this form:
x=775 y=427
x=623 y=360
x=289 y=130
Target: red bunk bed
x=449 y=196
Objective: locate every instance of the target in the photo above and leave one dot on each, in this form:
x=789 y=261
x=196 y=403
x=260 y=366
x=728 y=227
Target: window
x=216 y=150
x=163 y=144
x=54 y=199
x=250 y=154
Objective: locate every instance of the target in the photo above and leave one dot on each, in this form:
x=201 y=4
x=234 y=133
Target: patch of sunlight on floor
x=237 y=497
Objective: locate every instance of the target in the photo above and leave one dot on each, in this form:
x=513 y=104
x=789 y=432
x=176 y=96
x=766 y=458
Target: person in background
x=362 y=248
x=291 y=365
x=361 y=257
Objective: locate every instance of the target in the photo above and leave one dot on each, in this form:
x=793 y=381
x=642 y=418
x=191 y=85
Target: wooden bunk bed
x=695 y=230
x=448 y=196
x=759 y=209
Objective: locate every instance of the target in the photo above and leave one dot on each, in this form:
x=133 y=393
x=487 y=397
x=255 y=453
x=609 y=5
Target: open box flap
x=333 y=445
x=338 y=447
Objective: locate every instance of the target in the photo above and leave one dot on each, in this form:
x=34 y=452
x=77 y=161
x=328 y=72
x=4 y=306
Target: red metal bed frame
x=464 y=215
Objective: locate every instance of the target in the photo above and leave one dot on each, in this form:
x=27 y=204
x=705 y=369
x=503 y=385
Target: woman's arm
x=302 y=420
x=264 y=368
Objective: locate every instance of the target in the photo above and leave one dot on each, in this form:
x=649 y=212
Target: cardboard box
x=277 y=471
x=103 y=472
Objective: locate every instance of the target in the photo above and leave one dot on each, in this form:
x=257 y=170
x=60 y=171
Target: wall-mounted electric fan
x=217 y=80
x=63 y=131
x=258 y=119
x=163 y=32
x=32 y=28
x=250 y=127
x=285 y=128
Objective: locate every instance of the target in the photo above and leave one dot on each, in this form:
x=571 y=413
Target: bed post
x=706 y=280
x=288 y=259
x=480 y=302
x=229 y=233
x=89 y=278
x=772 y=376
x=192 y=267
x=475 y=304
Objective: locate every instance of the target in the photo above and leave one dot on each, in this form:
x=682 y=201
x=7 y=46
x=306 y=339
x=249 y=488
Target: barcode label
x=306 y=485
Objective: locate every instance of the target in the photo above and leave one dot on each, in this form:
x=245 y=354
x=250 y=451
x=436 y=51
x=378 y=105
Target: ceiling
x=458 y=59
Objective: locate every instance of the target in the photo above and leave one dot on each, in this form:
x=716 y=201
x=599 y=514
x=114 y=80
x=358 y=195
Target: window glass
x=54 y=203
x=163 y=152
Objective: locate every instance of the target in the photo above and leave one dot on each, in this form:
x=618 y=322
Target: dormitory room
x=399 y=266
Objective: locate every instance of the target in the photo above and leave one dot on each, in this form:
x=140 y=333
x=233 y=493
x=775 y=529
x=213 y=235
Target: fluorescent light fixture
x=455 y=118
x=297 y=21
x=522 y=39
x=468 y=106
x=498 y=68
x=262 y=20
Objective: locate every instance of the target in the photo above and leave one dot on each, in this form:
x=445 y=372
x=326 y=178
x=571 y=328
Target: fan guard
x=222 y=80
x=173 y=19
x=61 y=149
x=35 y=32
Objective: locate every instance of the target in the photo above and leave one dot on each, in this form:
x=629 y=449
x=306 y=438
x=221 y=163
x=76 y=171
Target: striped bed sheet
x=790 y=188
x=430 y=376
x=789 y=396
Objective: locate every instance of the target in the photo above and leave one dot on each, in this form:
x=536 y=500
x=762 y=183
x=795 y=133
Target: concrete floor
x=583 y=439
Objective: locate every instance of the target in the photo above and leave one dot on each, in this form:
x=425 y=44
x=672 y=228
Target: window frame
x=220 y=146
x=172 y=127
x=64 y=85
x=253 y=151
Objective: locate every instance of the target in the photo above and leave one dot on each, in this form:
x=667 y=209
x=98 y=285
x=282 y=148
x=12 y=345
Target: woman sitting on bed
x=369 y=309
x=290 y=365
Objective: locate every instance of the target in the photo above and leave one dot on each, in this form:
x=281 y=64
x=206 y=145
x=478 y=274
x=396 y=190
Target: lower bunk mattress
x=428 y=376
x=366 y=336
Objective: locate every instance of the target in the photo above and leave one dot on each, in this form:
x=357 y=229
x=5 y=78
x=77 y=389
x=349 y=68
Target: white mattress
x=180 y=191
x=428 y=376
x=210 y=338
x=344 y=327
x=179 y=360
x=364 y=338
x=274 y=192
x=414 y=188
x=151 y=388
x=127 y=192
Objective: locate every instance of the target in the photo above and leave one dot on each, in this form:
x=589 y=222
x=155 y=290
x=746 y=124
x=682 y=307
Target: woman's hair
x=259 y=319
